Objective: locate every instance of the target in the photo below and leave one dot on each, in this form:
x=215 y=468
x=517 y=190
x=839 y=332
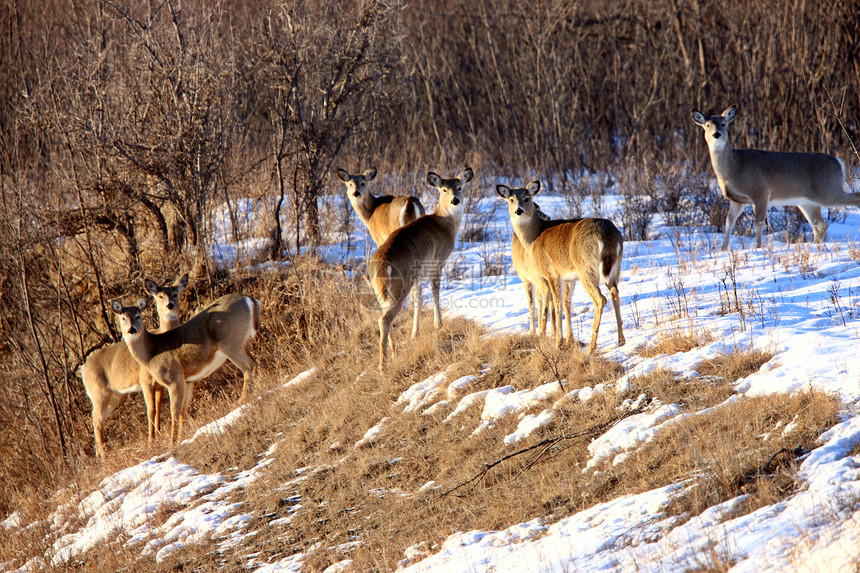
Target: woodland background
x=123 y=123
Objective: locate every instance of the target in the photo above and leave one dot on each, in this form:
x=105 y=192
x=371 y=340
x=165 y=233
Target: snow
x=799 y=302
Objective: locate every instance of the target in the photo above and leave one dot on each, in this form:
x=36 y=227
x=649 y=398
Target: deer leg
x=416 y=304
x=760 y=213
x=735 y=210
x=384 y=328
x=616 y=303
x=98 y=431
x=816 y=221
x=385 y=322
x=568 y=290
x=246 y=363
x=555 y=294
x=543 y=301
x=176 y=391
x=599 y=303
x=183 y=414
x=247 y=382
x=530 y=298
x=189 y=390
x=158 y=389
x=101 y=408
x=147 y=384
x=435 y=286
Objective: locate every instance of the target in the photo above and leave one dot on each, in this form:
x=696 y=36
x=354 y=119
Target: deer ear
x=730 y=114
x=434 y=179
x=699 y=118
x=116 y=306
x=150 y=287
x=342 y=175
x=503 y=190
x=182 y=283
x=370 y=174
x=466 y=175
x=533 y=187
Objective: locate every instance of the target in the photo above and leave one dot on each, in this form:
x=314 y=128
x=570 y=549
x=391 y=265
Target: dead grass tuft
x=692 y=395
x=675 y=341
x=732 y=366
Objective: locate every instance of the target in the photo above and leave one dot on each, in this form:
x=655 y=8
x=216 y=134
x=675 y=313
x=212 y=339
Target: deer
x=589 y=250
x=110 y=373
x=177 y=358
x=534 y=286
x=809 y=181
x=381 y=214
x=414 y=252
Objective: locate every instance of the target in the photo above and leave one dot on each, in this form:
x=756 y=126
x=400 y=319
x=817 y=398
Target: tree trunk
x=312 y=219
x=276 y=244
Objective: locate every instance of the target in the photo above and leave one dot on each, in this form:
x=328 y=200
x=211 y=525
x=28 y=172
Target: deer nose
x=716 y=135
x=455 y=201
x=170 y=306
x=356 y=194
x=132 y=330
x=519 y=211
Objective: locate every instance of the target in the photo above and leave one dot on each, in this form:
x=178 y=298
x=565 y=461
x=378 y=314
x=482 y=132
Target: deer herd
x=549 y=255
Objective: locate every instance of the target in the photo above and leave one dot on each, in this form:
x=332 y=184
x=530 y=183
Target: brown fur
x=414 y=252
x=381 y=214
x=588 y=250
x=177 y=358
x=110 y=373
x=522 y=261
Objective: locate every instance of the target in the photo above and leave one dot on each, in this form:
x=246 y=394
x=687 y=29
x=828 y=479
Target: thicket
x=124 y=123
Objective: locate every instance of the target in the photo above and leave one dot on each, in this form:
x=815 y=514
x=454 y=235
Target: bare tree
x=325 y=64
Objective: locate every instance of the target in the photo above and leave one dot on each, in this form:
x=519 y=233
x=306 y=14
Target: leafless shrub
x=325 y=67
x=639 y=189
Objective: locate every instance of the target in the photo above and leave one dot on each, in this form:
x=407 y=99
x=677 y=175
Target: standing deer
x=177 y=358
x=110 y=374
x=414 y=252
x=762 y=178
x=381 y=214
x=588 y=250
x=535 y=287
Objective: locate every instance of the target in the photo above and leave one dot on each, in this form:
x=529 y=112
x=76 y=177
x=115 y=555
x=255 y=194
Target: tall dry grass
x=325 y=495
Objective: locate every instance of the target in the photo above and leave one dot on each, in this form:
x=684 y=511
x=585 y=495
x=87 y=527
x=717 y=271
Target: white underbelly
x=571 y=275
x=797 y=201
x=217 y=361
x=134 y=388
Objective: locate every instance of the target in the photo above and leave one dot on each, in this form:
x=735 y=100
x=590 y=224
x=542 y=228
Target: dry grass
x=691 y=394
x=675 y=341
x=732 y=366
x=743 y=447
x=368 y=503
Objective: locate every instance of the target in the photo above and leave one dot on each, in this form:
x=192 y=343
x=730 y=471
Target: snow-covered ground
x=801 y=303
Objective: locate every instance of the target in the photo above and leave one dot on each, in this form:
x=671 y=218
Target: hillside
x=722 y=436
